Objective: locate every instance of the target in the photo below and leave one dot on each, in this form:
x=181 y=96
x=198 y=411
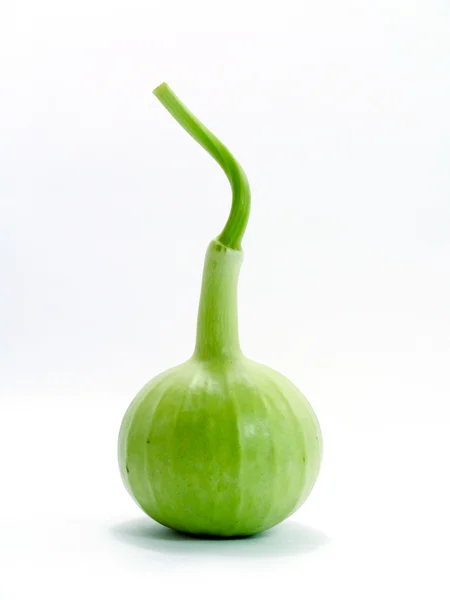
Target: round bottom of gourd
x=215 y=534
x=224 y=530
x=212 y=536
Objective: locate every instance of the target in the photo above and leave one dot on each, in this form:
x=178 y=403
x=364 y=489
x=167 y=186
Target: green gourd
x=219 y=445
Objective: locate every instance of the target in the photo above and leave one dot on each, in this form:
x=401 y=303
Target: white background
x=339 y=112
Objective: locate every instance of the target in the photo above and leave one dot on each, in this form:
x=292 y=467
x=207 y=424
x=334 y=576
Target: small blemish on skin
x=128 y=470
x=304 y=459
x=148 y=441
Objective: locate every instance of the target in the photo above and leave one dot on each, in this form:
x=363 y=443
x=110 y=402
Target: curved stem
x=234 y=229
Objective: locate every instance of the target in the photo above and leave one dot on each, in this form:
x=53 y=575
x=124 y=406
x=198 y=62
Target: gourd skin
x=219 y=445
x=226 y=449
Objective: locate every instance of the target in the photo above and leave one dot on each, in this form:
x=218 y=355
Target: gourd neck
x=217 y=323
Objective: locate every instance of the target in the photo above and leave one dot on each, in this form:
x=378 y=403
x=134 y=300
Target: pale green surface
x=219 y=445
x=227 y=450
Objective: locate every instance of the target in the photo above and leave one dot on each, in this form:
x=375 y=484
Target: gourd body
x=219 y=445
x=220 y=449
